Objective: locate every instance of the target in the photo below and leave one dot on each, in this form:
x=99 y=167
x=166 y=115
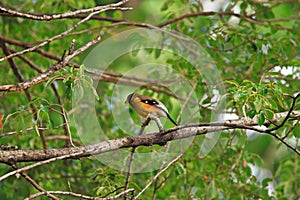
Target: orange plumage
x=146 y=106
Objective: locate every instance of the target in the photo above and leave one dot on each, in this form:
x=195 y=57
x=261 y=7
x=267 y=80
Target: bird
x=147 y=106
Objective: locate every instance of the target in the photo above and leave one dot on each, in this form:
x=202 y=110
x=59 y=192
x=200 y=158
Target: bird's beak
x=128 y=98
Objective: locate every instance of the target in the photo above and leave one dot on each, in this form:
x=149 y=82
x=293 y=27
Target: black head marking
x=129 y=97
x=150 y=102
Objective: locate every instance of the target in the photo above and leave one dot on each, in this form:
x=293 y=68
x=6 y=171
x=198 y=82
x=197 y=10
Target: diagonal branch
x=35 y=184
x=157 y=175
x=288 y=114
x=46 y=75
x=97 y=11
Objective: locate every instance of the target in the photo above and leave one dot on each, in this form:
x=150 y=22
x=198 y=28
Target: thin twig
x=81 y=196
x=67 y=127
x=27 y=45
x=207 y=13
x=19 y=76
x=34 y=184
x=290 y=130
x=288 y=114
x=45 y=42
x=157 y=175
x=36 y=68
x=46 y=75
x=27 y=129
x=132 y=156
x=37 y=164
x=128 y=170
x=72 y=46
x=48 y=17
x=186 y=100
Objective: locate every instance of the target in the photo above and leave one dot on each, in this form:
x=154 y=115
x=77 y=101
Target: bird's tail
x=171 y=119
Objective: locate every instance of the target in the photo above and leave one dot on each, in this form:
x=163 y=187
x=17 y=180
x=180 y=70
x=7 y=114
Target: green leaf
x=47 y=47
x=179 y=169
x=81 y=69
x=258 y=104
x=23 y=107
x=283 y=10
x=69 y=82
x=78 y=92
x=229 y=152
x=269 y=113
x=56 y=118
x=157 y=53
x=43 y=108
x=233 y=82
x=271 y=104
x=51 y=80
x=118 y=14
x=166 y=5
x=251 y=113
x=261 y=119
x=69 y=93
x=296 y=131
x=263 y=91
x=266 y=181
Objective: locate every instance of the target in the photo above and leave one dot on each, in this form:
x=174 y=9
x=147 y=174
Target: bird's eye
x=150 y=102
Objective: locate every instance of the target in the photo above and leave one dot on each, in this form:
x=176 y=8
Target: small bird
x=146 y=106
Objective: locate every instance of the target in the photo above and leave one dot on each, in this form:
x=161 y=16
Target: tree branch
x=180 y=132
x=81 y=196
x=46 y=75
x=288 y=114
x=132 y=156
x=157 y=175
x=34 y=184
x=19 y=76
x=48 y=17
x=97 y=11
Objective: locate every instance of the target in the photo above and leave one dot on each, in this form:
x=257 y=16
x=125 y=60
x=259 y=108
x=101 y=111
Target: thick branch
x=133 y=141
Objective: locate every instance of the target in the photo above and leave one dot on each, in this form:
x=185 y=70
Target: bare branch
x=27 y=45
x=157 y=175
x=132 y=156
x=180 y=132
x=48 y=17
x=81 y=196
x=97 y=11
x=207 y=13
x=72 y=46
x=288 y=114
x=35 y=184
